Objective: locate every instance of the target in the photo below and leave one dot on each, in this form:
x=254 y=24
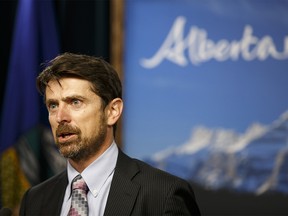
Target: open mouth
x=64 y=137
x=67 y=133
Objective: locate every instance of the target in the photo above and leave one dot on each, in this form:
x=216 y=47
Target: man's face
x=76 y=117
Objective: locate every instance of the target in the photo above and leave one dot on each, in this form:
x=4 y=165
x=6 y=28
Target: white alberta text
x=197 y=48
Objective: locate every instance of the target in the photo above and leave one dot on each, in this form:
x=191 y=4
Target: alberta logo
x=196 y=47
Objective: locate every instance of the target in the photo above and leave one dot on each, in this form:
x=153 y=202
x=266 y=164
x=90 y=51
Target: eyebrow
x=68 y=98
x=65 y=99
x=49 y=101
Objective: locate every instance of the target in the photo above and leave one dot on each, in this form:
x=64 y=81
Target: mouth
x=65 y=137
x=67 y=133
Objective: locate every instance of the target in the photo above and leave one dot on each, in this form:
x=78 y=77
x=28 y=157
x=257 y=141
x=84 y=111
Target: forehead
x=68 y=86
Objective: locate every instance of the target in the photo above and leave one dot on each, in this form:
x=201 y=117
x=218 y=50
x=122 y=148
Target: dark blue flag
x=34 y=41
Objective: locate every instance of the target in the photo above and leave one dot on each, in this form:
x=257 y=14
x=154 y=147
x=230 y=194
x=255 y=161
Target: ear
x=114 y=111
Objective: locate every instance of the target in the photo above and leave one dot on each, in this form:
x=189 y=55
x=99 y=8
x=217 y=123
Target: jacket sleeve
x=23 y=204
x=181 y=200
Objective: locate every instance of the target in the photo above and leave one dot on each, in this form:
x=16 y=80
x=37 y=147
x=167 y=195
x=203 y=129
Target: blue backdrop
x=206 y=90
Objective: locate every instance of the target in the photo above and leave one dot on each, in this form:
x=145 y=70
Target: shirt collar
x=96 y=174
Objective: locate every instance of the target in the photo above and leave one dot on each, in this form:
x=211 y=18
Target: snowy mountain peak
x=255 y=161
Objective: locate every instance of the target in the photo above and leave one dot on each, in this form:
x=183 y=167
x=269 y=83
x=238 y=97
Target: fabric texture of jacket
x=136 y=189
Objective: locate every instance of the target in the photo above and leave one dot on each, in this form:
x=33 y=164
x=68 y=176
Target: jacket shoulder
x=51 y=182
x=148 y=176
x=160 y=192
x=45 y=198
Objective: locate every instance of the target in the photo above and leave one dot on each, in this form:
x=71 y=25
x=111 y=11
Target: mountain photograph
x=226 y=167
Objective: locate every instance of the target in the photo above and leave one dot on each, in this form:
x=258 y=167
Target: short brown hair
x=104 y=79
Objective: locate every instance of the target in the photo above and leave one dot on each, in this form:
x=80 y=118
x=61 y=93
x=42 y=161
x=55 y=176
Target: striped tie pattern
x=79 y=204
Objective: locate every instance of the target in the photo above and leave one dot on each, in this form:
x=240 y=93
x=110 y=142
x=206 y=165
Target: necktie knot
x=79 y=183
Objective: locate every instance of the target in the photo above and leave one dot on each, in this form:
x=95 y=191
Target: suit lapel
x=123 y=191
x=55 y=196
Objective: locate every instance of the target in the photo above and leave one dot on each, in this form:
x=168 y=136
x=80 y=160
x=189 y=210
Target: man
x=83 y=97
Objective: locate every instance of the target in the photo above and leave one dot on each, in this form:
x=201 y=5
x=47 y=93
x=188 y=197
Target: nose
x=63 y=114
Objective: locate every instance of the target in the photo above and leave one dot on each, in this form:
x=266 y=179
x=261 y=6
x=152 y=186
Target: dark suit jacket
x=136 y=189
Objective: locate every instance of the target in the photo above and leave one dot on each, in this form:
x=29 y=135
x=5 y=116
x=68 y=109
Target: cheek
x=52 y=121
x=89 y=126
x=53 y=124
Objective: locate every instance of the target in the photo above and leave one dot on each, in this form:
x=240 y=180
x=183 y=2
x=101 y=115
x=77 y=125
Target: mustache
x=64 y=129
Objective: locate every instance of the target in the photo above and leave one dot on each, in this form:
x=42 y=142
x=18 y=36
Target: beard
x=81 y=148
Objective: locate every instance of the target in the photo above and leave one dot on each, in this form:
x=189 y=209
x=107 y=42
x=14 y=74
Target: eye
x=76 y=102
x=52 y=106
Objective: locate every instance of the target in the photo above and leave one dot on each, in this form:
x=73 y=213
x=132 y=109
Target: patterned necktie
x=79 y=204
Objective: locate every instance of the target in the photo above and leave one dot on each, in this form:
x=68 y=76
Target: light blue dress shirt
x=98 y=177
